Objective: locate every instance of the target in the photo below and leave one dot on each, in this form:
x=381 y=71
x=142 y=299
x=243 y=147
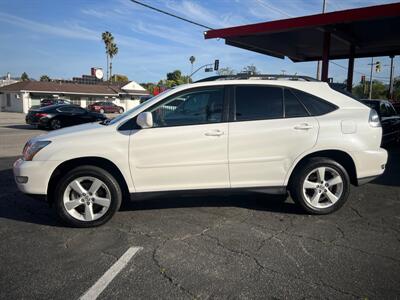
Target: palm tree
x=192 y=59
x=107 y=39
x=112 y=51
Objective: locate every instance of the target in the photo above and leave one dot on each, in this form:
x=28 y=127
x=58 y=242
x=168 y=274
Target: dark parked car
x=389 y=118
x=105 y=107
x=47 y=102
x=61 y=115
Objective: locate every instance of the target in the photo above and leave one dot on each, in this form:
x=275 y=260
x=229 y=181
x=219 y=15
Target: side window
x=383 y=109
x=196 y=107
x=391 y=110
x=65 y=109
x=314 y=105
x=293 y=108
x=258 y=103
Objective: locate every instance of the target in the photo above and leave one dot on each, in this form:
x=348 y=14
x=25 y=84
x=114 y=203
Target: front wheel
x=101 y=111
x=321 y=186
x=121 y=110
x=87 y=196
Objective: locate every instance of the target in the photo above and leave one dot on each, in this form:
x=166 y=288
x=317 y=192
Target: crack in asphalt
x=164 y=273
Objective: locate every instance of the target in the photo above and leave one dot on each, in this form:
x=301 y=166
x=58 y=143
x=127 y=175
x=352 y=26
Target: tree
x=251 y=69
x=174 y=78
x=24 y=77
x=379 y=90
x=111 y=50
x=45 y=78
x=192 y=59
x=226 y=71
x=119 y=78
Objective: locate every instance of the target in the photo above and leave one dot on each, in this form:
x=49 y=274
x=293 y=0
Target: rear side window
x=258 y=103
x=314 y=105
x=293 y=107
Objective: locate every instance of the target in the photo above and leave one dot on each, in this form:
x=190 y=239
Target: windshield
x=132 y=110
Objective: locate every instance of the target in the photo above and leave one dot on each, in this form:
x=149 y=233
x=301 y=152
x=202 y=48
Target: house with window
x=21 y=96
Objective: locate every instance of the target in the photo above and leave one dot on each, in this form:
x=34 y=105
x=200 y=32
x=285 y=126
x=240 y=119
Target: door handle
x=214 y=133
x=303 y=126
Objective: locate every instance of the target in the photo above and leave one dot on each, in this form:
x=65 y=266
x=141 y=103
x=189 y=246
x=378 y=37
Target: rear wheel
x=321 y=186
x=101 y=111
x=87 y=196
x=121 y=110
x=55 y=124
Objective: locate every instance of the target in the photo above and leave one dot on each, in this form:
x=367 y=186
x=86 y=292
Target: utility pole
x=391 y=78
x=319 y=62
x=370 y=78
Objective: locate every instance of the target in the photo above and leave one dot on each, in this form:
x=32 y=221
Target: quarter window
x=196 y=107
x=314 y=105
x=293 y=108
x=258 y=103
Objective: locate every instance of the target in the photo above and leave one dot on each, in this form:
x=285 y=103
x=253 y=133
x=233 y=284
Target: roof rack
x=246 y=76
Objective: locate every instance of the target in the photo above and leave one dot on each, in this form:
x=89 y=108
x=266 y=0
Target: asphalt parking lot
x=231 y=246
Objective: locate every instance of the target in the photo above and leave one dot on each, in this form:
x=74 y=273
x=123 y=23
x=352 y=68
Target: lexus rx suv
x=256 y=133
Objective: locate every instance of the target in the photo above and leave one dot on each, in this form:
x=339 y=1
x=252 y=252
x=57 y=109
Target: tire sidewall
x=52 y=126
x=107 y=178
x=304 y=172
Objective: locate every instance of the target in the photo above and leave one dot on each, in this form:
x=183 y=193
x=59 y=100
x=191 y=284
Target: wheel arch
x=100 y=162
x=340 y=156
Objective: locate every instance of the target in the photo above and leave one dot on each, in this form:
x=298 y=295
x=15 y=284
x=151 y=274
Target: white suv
x=271 y=135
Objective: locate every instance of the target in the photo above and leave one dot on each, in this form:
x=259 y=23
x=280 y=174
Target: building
x=20 y=96
x=6 y=80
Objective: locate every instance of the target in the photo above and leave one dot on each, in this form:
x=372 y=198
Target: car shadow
x=21 y=126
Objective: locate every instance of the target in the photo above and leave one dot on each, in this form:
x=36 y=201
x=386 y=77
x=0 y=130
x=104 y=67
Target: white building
x=21 y=96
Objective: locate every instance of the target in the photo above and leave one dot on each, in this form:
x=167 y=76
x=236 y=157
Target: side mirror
x=145 y=120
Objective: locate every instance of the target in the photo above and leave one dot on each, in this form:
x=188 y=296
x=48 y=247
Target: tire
x=101 y=111
x=55 y=124
x=320 y=196
x=87 y=208
x=121 y=111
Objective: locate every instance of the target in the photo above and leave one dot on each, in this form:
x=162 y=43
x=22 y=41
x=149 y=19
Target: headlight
x=31 y=148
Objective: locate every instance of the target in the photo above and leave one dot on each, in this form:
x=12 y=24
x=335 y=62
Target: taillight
x=40 y=115
x=374 y=120
x=97 y=107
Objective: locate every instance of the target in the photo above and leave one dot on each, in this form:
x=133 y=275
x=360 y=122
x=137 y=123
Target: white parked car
x=260 y=134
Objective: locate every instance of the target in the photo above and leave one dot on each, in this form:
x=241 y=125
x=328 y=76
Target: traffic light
x=216 y=65
x=362 y=78
x=378 y=67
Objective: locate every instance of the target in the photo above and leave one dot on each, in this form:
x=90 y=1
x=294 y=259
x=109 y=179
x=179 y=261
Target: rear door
x=266 y=134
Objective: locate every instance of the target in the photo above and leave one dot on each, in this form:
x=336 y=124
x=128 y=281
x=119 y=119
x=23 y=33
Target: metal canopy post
x=350 y=70
x=325 y=56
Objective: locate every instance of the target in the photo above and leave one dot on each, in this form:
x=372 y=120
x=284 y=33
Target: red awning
x=372 y=31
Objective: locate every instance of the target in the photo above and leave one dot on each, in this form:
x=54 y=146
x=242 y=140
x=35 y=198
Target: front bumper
x=36 y=174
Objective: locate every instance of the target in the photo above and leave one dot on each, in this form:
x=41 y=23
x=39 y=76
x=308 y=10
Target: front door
x=187 y=146
x=266 y=135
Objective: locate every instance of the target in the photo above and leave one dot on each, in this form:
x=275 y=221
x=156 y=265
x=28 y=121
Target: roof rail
x=246 y=76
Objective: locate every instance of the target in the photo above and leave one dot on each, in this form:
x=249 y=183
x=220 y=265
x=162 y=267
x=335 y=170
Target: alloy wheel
x=87 y=198
x=322 y=187
x=55 y=124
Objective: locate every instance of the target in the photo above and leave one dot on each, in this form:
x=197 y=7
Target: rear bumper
x=370 y=164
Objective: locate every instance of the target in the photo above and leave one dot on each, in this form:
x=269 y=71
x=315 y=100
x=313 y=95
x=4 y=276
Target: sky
x=62 y=38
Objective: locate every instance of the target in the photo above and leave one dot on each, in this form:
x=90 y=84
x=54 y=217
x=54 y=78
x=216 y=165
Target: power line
x=170 y=14
x=343 y=67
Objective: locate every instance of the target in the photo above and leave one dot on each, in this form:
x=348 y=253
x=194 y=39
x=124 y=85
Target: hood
x=68 y=132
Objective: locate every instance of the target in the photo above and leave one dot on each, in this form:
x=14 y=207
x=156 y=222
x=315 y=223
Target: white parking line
x=108 y=276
